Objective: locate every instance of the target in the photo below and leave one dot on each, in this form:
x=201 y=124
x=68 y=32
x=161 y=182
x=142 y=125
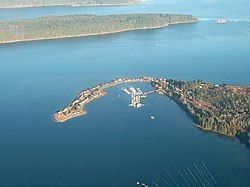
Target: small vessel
x=221 y=21
x=152 y=117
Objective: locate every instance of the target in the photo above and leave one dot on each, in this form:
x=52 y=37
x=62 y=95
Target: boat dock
x=76 y=108
x=136 y=95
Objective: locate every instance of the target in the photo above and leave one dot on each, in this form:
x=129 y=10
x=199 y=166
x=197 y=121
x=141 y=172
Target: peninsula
x=36 y=3
x=224 y=109
x=54 y=27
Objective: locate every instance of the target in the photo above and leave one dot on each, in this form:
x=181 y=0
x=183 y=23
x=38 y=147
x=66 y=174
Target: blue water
x=114 y=145
x=205 y=9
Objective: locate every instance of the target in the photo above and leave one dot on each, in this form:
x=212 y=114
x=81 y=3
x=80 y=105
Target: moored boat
x=221 y=21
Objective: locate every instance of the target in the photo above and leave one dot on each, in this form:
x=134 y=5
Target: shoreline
x=57 y=119
x=77 y=107
x=193 y=117
x=72 y=5
x=83 y=35
x=96 y=34
x=213 y=131
x=167 y=87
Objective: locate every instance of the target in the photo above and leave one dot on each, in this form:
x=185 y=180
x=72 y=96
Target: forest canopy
x=51 y=27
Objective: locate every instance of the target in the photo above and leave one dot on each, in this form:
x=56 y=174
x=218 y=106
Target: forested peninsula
x=224 y=109
x=40 y=3
x=53 y=27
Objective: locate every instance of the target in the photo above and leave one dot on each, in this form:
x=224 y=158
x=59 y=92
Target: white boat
x=221 y=21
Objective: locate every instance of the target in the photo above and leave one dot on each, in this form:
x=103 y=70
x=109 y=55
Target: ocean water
x=205 y=9
x=114 y=145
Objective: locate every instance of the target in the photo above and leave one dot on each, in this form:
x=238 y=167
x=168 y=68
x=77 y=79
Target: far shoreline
x=95 y=34
x=75 y=6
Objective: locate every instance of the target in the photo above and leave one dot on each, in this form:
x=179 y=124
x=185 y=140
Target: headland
x=223 y=109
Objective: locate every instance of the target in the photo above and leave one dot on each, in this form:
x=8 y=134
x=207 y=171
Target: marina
x=136 y=95
x=76 y=108
x=113 y=144
x=197 y=98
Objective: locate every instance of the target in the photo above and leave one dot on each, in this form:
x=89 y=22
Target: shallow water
x=114 y=145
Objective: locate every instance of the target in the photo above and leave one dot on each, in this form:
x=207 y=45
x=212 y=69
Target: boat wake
x=193 y=174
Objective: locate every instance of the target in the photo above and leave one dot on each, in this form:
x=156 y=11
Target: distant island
x=224 y=109
x=53 y=27
x=40 y=3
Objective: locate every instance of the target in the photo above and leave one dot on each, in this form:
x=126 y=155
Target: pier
x=136 y=95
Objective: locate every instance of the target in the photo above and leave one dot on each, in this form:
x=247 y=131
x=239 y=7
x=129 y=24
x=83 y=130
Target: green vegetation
x=35 y=3
x=221 y=108
x=224 y=109
x=51 y=27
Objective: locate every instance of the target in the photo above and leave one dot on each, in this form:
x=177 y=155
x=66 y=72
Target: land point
x=223 y=109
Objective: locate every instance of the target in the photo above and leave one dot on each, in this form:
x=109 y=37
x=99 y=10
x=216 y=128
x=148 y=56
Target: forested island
x=53 y=27
x=39 y=3
x=224 y=109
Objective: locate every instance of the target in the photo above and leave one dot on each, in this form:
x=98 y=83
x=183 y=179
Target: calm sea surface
x=114 y=145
